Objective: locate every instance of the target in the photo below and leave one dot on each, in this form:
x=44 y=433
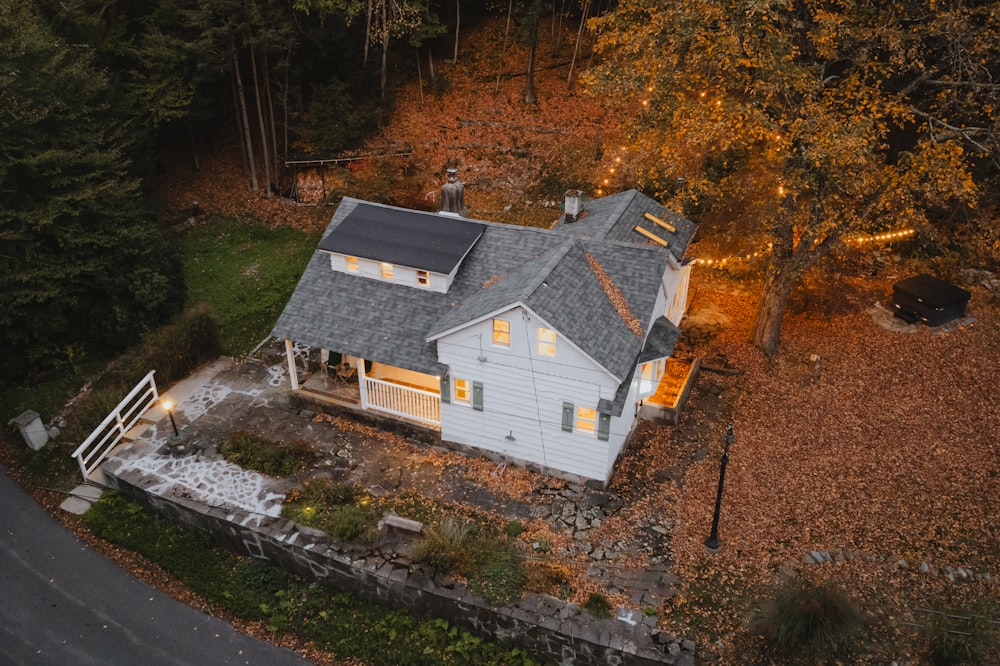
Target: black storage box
x=930 y=300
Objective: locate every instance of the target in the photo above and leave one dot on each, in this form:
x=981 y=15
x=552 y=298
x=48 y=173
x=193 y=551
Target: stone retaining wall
x=550 y=628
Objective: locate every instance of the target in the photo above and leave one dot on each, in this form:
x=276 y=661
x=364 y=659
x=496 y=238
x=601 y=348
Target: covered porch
x=356 y=383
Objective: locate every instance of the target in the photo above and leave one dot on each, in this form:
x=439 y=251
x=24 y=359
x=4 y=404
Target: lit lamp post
x=712 y=542
x=169 y=406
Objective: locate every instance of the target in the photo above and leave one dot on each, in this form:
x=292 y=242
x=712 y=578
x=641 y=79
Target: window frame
x=545 y=341
x=501 y=338
x=387 y=270
x=585 y=419
x=461 y=391
x=353 y=264
x=423 y=278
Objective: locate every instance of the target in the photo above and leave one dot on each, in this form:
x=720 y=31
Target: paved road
x=63 y=603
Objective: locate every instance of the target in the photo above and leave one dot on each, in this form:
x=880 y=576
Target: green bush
x=598 y=605
x=801 y=614
x=335 y=508
x=498 y=575
x=492 y=566
x=174 y=350
x=265 y=456
x=957 y=636
x=513 y=528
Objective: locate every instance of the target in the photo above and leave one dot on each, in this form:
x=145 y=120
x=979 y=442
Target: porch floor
x=346 y=396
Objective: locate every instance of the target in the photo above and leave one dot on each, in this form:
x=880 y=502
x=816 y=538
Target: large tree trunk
x=368 y=32
x=260 y=120
x=771 y=309
x=251 y=162
x=503 y=51
x=271 y=123
x=576 y=47
x=385 y=49
x=239 y=128
x=420 y=80
x=458 y=22
x=529 y=86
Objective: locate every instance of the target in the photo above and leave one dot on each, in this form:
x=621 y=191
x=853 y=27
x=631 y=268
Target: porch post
x=362 y=383
x=292 y=372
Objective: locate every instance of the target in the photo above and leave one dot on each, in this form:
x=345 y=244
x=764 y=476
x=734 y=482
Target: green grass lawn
x=245 y=272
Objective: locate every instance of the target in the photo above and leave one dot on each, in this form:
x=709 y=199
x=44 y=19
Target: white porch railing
x=106 y=436
x=399 y=400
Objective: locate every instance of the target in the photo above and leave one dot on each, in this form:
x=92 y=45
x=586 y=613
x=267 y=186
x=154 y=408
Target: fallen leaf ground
x=888 y=453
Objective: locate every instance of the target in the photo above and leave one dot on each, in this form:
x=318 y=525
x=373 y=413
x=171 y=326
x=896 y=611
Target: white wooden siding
x=401 y=274
x=523 y=396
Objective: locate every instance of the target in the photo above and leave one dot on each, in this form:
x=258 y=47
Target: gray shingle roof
x=546 y=270
x=613 y=218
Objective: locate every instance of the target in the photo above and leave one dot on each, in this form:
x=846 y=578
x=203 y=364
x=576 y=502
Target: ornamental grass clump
x=801 y=614
x=490 y=563
x=956 y=637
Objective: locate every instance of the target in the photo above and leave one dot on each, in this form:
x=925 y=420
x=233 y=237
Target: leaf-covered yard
x=886 y=458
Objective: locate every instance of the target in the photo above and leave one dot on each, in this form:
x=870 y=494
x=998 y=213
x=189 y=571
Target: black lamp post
x=712 y=542
x=169 y=406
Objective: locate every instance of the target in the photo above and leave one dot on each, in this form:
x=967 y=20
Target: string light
x=736 y=258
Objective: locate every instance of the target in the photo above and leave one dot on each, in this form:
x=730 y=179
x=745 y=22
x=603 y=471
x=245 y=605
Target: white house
x=535 y=346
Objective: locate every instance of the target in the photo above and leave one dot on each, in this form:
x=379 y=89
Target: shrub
x=801 y=614
x=331 y=507
x=513 y=528
x=957 y=636
x=497 y=575
x=598 y=605
x=447 y=547
x=174 y=350
x=265 y=456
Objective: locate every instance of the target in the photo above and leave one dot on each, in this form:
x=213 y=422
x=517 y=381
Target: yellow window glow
x=387 y=270
x=463 y=393
x=352 y=264
x=586 y=419
x=546 y=345
x=423 y=278
x=501 y=332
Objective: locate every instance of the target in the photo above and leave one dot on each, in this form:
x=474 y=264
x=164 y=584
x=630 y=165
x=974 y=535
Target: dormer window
x=423 y=278
x=546 y=345
x=501 y=332
x=387 y=269
x=352 y=264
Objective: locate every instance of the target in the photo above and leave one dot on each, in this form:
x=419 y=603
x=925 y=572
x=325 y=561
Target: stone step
x=81 y=498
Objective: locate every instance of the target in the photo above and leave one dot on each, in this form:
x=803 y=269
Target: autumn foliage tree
x=803 y=122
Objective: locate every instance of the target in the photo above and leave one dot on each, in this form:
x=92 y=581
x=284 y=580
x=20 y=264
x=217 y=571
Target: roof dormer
x=412 y=248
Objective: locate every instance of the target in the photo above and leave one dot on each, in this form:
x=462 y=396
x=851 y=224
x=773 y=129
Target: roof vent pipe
x=574 y=200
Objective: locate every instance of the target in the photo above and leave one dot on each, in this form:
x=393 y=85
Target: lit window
x=387 y=270
x=463 y=391
x=546 y=342
x=423 y=278
x=501 y=332
x=352 y=264
x=586 y=419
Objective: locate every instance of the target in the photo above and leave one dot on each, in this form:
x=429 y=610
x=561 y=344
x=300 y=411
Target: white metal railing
x=399 y=400
x=106 y=436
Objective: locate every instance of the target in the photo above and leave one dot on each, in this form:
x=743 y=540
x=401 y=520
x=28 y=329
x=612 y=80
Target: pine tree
x=82 y=265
